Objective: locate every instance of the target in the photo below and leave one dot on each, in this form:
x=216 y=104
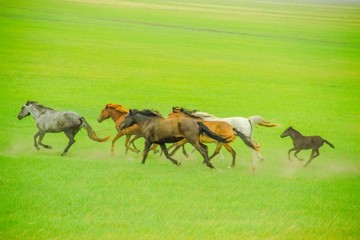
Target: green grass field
x=293 y=62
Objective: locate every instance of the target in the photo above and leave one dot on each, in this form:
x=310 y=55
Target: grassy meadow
x=293 y=62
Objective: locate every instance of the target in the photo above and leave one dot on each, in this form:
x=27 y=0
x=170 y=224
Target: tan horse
x=117 y=113
x=221 y=128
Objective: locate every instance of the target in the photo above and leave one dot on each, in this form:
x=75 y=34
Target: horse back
x=163 y=130
x=58 y=121
x=221 y=128
x=309 y=142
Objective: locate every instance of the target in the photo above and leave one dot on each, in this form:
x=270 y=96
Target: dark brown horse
x=117 y=113
x=304 y=142
x=159 y=130
x=221 y=128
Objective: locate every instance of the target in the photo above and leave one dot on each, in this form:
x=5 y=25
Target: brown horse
x=117 y=113
x=304 y=142
x=221 y=128
x=159 y=130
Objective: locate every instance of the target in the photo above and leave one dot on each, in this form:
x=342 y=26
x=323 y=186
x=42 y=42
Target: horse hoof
x=63 y=154
x=179 y=164
x=210 y=165
x=49 y=147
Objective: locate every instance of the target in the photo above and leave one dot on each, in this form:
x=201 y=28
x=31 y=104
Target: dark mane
x=149 y=113
x=38 y=105
x=190 y=113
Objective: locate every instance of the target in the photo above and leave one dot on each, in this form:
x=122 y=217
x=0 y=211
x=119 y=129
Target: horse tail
x=329 y=143
x=245 y=139
x=207 y=131
x=91 y=133
x=261 y=122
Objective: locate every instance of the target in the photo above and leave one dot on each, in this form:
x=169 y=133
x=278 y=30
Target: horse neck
x=116 y=115
x=143 y=121
x=36 y=111
x=295 y=134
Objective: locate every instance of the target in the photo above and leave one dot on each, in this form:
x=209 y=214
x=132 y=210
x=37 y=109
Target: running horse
x=304 y=142
x=240 y=124
x=50 y=121
x=221 y=128
x=159 y=130
x=117 y=113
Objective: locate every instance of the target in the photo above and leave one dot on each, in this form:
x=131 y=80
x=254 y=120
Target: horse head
x=104 y=114
x=288 y=132
x=129 y=119
x=24 y=112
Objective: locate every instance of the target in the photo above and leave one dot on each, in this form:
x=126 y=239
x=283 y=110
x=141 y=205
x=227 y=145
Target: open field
x=293 y=62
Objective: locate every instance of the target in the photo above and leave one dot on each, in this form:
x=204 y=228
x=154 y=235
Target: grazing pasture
x=296 y=63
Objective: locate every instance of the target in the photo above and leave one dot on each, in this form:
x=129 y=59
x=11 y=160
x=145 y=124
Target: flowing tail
x=260 y=121
x=207 y=131
x=329 y=143
x=91 y=133
x=245 y=140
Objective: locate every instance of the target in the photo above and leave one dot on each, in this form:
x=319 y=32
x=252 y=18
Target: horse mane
x=117 y=107
x=148 y=113
x=37 y=105
x=195 y=113
x=294 y=130
x=190 y=113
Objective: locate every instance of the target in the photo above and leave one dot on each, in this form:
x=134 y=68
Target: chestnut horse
x=159 y=130
x=117 y=113
x=221 y=128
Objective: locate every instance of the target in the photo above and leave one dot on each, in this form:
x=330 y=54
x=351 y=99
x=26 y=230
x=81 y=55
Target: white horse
x=241 y=124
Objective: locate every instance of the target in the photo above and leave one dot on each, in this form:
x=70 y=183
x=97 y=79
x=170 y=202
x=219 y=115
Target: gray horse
x=49 y=120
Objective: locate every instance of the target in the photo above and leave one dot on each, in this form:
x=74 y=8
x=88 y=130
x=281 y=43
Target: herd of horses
x=181 y=126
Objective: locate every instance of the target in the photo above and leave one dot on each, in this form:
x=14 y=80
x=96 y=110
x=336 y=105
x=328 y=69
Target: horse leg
x=232 y=152
x=314 y=153
x=177 y=146
x=296 y=155
x=184 y=151
x=167 y=155
x=293 y=149
x=35 y=137
x=127 y=145
x=40 y=141
x=153 y=148
x=70 y=135
x=131 y=142
x=146 y=150
x=204 y=153
x=217 y=150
